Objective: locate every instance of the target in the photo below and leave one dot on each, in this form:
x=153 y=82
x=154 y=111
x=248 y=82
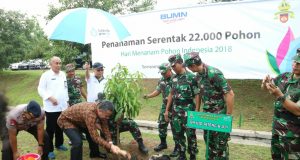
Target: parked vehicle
x=14 y=66
x=35 y=64
x=30 y=64
x=24 y=65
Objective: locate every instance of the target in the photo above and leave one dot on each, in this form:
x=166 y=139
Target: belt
x=288 y=116
x=183 y=102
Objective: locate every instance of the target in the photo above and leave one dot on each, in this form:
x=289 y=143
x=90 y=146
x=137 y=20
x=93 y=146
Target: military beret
x=296 y=58
x=70 y=67
x=164 y=67
x=176 y=58
x=191 y=58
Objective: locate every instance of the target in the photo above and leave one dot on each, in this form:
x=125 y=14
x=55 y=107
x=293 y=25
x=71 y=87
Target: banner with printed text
x=245 y=40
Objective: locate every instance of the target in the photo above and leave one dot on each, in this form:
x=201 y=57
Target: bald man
x=54 y=91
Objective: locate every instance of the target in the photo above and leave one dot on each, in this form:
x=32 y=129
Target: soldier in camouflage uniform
x=75 y=86
x=125 y=124
x=183 y=90
x=217 y=97
x=163 y=87
x=285 y=143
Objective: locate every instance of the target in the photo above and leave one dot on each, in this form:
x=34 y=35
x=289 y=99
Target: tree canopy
x=20 y=38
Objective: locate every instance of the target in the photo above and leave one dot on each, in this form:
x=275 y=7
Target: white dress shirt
x=94 y=87
x=54 y=85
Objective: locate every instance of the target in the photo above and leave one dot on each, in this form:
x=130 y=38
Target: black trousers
x=7 y=153
x=75 y=137
x=52 y=129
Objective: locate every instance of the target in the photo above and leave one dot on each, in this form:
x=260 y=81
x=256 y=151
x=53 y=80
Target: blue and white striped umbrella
x=85 y=25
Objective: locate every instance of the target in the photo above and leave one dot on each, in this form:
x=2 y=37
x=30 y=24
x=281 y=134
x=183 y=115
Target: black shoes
x=181 y=157
x=175 y=152
x=192 y=157
x=160 y=147
x=100 y=155
x=142 y=147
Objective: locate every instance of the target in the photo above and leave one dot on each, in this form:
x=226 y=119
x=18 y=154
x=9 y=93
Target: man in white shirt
x=95 y=81
x=54 y=91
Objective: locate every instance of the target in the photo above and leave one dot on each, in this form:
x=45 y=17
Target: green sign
x=209 y=121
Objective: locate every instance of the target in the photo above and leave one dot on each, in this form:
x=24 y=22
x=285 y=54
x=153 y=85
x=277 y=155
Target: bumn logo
x=173 y=16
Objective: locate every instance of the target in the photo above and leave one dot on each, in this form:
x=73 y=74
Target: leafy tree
x=112 y=6
x=124 y=90
x=20 y=38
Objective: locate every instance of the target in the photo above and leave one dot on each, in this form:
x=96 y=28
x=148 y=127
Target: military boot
x=192 y=157
x=175 y=151
x=142 y=147
x=181 y=156
x=162 y=145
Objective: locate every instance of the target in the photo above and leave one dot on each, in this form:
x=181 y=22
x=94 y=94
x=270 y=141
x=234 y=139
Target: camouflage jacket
x=184 y=87
x=163 y=86
x=284 y=122
x=74 y=85
x=213 y=86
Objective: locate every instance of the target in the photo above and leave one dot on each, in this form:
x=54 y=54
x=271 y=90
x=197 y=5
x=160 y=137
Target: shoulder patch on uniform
x=12 y=122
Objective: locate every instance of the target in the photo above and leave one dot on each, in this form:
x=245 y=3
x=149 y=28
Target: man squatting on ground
x=82 y=117
x=124 y=124
x=26 y=117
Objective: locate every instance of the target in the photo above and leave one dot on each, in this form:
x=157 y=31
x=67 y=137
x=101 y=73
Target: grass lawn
x=251 y=102
x=27 y=144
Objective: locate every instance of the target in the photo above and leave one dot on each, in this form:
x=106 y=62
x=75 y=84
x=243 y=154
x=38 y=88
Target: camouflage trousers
x=179 y=121
x=74 y=101
x=162 y=124
x=284 y=148
x=126 y=125
x=218 y=145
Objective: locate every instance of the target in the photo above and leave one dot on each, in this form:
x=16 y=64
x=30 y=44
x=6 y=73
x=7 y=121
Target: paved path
x=239 y=136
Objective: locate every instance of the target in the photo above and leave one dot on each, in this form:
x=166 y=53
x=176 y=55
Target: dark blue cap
x=34 y=108
x=98 y=65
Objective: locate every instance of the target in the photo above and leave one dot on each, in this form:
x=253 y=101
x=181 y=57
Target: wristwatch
x=42 y=145
x=281 y=99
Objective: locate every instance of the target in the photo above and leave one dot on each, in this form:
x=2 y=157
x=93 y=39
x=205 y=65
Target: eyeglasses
x=101 y=69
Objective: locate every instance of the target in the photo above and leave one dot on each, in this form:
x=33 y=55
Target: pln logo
x=286 y=50
x=284 y=12
x=173 y=17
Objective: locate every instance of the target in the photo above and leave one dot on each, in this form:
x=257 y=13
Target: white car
x=15 y=66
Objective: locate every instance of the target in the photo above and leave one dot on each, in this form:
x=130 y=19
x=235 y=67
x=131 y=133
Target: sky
x=39 y=8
